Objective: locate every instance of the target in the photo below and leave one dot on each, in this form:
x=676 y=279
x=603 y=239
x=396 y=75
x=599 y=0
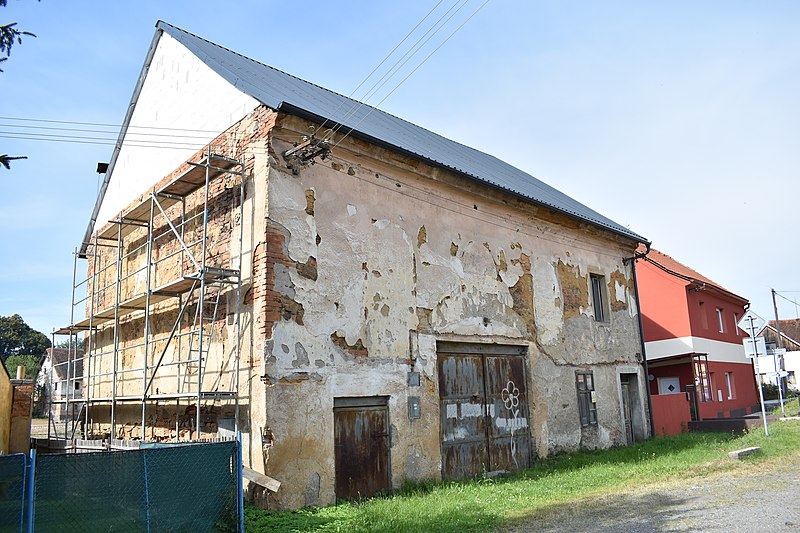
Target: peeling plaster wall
x=353 y=269
x=405 y=255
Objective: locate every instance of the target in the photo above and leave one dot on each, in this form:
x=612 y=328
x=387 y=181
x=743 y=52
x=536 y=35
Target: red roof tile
x=673 y=266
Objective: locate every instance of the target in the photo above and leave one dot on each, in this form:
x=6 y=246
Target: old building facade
x=397 y=311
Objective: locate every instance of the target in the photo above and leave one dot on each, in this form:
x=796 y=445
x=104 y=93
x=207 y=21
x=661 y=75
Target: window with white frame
x=729 y=384
x=720 y=321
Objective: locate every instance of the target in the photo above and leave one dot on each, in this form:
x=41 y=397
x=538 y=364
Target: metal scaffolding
x=153 y=265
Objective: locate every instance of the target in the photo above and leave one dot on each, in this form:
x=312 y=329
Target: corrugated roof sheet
x=276 y=89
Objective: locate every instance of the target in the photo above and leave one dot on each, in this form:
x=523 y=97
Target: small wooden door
x=361 y=447
x=627 y=419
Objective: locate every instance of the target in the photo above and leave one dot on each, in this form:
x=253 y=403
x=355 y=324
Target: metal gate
x=361 y=446
x=483 y=409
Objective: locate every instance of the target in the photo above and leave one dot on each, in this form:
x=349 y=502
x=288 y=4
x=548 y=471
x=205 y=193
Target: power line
x=72 y=122
x=49 y=136
x=387 y=56
x=405 y=58
x=413 y=71
x=110 y=132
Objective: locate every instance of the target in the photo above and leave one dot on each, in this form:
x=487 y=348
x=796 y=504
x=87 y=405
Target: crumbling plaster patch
x=396 y=274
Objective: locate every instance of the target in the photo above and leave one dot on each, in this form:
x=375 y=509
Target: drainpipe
x=641 y=334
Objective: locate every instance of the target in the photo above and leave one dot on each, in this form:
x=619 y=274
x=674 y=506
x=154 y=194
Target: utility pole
x=781 y=380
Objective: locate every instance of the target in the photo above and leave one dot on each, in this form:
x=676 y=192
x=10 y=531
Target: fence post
x=146 y=490
x=30 y=487
x=239 y=482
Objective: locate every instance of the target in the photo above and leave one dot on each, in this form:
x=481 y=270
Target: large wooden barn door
x=483 y=409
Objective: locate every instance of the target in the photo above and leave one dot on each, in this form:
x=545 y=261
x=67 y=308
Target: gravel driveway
x=753 y=498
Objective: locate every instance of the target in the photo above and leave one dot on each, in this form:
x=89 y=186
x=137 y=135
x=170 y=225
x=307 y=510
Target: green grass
x=484 y=504
x=792 y=408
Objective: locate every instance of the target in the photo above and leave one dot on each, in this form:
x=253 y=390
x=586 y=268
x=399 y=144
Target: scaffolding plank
x=71 y=330
x=195 y=177
x=135 y=303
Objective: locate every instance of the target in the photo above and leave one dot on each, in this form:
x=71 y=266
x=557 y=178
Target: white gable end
x=179 y=91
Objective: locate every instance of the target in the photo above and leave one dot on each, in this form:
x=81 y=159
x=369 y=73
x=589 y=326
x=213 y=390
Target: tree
x=30 y=362
x=10 y=34
x=17 y=338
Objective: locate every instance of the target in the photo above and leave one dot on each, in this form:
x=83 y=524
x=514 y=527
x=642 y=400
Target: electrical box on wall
x=413 y=379
x=413 y=408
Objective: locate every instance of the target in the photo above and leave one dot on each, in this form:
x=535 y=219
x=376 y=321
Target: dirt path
x=752 y=498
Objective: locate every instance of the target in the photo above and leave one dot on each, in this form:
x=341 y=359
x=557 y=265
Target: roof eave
x=288 y=108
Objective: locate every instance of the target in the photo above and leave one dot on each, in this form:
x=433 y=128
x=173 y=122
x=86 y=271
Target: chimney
x=20 y=372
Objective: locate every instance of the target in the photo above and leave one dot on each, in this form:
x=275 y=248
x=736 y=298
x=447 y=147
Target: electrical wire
x=386 y=57
x=118 y=126
x=110 y=132
x=469 y=211
x=787 y=299
x=409 y=54
x=412 y=72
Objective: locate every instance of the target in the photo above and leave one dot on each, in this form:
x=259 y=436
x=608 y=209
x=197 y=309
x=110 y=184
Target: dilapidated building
x=368 y=302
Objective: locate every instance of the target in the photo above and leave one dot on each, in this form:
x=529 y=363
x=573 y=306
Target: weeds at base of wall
x=485 y=504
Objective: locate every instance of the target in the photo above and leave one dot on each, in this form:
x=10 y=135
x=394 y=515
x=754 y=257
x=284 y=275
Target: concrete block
x=739 y=454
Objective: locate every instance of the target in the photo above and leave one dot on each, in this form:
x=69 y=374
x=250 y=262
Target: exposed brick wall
x=242 y=141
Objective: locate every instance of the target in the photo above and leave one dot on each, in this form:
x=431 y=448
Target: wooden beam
x=260 y=479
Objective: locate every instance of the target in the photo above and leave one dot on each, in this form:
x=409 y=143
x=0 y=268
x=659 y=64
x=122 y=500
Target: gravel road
x=752 y=498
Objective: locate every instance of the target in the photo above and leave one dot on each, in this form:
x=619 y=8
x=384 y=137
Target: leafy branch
x=9 y=35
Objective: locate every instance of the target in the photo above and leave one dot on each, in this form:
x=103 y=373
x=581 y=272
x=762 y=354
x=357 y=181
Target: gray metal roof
x=288 y=93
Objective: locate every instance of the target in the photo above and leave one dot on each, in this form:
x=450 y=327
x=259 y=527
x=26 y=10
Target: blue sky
x=677 y=119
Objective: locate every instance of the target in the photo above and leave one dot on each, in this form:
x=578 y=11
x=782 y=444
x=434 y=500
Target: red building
x=696 y=363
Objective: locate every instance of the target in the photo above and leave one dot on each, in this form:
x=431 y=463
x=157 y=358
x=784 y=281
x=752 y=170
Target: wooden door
x=483 y=409
x=361 y=447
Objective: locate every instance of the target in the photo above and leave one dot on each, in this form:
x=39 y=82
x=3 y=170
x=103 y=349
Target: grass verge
x=486 y=504
x=792 y=408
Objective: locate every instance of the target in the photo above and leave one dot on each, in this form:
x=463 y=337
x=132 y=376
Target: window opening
x=587 y=402
x=598 y=282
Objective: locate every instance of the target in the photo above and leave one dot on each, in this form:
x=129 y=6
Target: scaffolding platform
x=202 y=284
x=138 y=214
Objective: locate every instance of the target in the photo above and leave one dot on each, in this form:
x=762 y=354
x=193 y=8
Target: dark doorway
x=691 y=394
x=361 y=447
x=483 y=409
x=632 y=413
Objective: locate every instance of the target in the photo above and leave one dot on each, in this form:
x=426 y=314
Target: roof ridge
x=351 y=99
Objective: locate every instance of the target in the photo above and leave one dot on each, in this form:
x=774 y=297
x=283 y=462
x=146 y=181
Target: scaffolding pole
x=106 y=315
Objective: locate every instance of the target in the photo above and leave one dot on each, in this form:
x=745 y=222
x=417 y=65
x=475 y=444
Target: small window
x=587 y=404
x=729 y=385
x=720 y=321
x=736 y=324
x=598 y=282
x=703 y=316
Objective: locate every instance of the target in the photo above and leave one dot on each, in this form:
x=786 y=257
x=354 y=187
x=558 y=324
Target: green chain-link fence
x=12 y=492
x=173 y=488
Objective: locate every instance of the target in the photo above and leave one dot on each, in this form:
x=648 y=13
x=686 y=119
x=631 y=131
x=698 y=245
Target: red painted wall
x=709 y=328
x=745 y=393
x=671 y=414
x=744 y=386
x=662 y=299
